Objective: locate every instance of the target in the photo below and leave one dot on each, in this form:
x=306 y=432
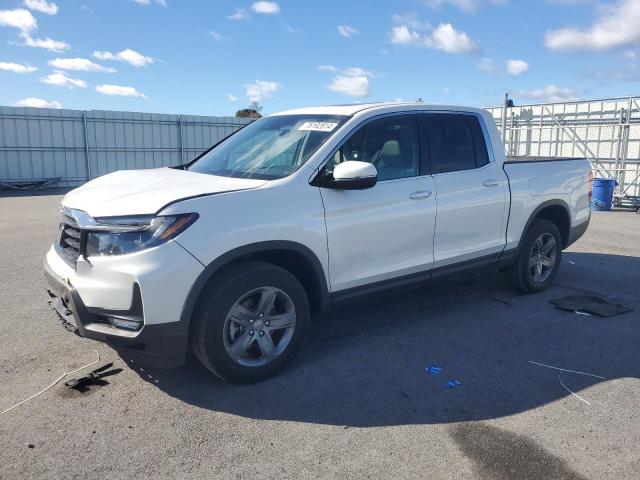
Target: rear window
x=455 y=142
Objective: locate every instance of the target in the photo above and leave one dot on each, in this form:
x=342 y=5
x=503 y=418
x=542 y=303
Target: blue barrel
x=602 y=193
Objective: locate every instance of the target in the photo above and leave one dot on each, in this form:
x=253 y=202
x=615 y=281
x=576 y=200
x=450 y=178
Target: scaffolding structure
x=605 y=131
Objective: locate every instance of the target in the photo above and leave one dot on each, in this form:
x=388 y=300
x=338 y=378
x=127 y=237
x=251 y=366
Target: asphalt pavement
x=358 y=402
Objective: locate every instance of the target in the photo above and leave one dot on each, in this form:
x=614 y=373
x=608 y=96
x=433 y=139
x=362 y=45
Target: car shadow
x=364 y=365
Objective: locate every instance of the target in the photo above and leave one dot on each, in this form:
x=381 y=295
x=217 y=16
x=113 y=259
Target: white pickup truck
x=231 y=254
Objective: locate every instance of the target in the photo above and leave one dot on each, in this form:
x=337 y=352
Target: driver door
x=384 y=232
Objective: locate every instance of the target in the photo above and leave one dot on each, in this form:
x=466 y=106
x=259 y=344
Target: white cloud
x=467 y=6
x=260 y=90
x=79 y=64
x=147 y=3
x=409 y=31
x=630 y=55
x=351 y=81
x=233 y=98
x=42 y=6
x=411 y=20
x=130 y=56
x=357 y=72
x=550 y=93
x=450 y=40
x=351 y=86
x=516 y=67
x=403 y=35
x=37 y=103
x=347 y=31
x=59 y=79
x=267 y=8
x=18 y=18
x=119 y=90
x=16 y=67
x=486 y=65
x=57 y=46
x=218 y=37
x=617 y=26
x=238 y=14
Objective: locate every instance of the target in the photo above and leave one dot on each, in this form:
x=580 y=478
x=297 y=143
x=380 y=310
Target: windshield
x=269 y=148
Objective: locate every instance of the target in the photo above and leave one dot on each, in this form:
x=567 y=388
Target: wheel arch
x=557 y=212
x=294 y=257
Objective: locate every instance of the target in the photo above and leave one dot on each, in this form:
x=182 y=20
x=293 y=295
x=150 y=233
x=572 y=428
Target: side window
x=456 y=142
x=390 y=144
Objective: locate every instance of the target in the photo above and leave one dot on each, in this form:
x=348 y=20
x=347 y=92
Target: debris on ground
x=563 y=370
x=590 y=304
x=433 y=370
x=452 y=383
x=93 y=378
x=58 y=380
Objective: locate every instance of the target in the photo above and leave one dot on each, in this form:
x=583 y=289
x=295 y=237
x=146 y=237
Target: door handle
x=491 y=183
x=419 y=194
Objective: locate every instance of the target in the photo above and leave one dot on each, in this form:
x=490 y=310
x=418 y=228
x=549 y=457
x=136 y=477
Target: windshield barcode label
x=318 y=126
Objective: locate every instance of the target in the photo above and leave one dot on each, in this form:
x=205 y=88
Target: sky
x=214 y=57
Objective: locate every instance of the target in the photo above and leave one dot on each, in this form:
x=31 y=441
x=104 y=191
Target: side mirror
x=353 y=175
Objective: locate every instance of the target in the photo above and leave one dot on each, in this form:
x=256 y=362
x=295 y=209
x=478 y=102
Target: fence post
x=504 y=118
x=86 y=145
x=180 y=146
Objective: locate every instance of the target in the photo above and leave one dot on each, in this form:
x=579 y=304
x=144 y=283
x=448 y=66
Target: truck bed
x=532 y=159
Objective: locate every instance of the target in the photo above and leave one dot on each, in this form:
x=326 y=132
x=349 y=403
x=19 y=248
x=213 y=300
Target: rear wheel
x=539 y=257
x=250 y=322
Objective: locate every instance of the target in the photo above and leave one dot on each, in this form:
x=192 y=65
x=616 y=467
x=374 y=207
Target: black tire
x=209 y=323
x=520 y=272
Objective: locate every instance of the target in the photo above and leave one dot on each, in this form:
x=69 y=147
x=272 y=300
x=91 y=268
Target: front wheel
x=250 y=322
x=538 y=259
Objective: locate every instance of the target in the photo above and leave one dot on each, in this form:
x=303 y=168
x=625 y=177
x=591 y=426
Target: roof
x=347 y=109
x=352 y=109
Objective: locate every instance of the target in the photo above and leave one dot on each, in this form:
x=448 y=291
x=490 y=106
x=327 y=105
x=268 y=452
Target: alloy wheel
x=259 y=326
x=542 y=257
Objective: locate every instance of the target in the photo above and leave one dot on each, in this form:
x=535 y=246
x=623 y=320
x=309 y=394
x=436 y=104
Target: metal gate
x=606 y=132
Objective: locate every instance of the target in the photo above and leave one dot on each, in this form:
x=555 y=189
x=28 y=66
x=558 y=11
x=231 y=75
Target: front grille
x=69 y=239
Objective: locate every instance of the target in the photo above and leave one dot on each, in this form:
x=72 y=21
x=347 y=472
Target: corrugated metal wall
x=74 y=145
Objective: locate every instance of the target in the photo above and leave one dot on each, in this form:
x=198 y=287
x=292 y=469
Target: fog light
x=125 y=323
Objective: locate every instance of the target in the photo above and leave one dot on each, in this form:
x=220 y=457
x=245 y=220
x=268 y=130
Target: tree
x=252 y=111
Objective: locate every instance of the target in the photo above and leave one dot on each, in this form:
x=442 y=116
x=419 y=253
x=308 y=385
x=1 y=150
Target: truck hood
x=139 y=192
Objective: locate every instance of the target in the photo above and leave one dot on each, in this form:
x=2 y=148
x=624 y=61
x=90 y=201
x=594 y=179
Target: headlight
x=120 y=235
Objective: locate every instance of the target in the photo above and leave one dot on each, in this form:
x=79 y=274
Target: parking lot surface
x=357 y=403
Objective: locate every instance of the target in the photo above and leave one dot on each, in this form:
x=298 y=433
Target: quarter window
x=390 y=144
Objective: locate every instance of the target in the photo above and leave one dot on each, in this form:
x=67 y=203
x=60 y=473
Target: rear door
x=472 y=190
x=385 y=231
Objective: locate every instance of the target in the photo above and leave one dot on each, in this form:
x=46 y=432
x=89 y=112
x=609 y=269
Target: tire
x=532 y=273
x=234 y=308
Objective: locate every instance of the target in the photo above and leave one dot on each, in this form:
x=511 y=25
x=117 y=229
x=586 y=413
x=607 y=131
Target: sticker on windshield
x=318 y=126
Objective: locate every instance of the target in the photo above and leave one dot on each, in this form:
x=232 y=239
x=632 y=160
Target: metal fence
x=73 y=146
x=605 y=131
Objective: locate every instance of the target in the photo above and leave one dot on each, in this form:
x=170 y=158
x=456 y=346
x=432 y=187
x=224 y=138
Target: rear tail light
x=590 y=185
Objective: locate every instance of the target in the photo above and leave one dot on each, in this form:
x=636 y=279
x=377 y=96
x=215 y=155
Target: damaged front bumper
x=160 y=345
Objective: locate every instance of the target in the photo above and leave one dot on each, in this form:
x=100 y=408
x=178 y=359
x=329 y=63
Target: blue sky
x=214 y=57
